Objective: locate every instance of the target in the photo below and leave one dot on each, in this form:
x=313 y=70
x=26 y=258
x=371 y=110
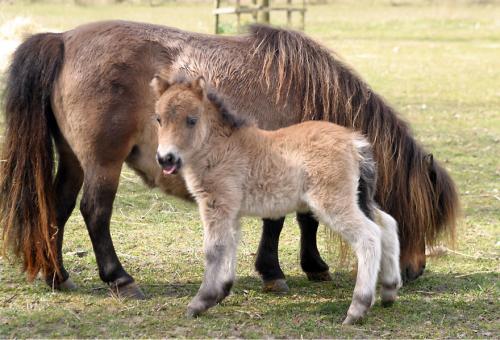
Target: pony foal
x=232 y=168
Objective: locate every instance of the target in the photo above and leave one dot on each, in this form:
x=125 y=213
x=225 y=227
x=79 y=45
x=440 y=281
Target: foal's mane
x=228 y=117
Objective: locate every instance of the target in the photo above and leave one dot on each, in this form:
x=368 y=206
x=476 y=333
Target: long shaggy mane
x=412 y=187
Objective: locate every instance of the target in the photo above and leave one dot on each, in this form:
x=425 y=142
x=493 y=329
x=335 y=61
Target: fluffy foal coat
x=235 y=169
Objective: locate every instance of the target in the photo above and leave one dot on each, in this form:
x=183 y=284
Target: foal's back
x=285 y=164
x=322 y=136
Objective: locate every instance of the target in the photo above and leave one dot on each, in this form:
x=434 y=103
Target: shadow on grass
x=437 y=304
x=429 y=285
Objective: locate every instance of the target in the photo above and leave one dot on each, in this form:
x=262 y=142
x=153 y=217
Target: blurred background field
x=438 y=62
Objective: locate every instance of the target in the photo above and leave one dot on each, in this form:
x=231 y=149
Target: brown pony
x=87 y=90
x=233 y=169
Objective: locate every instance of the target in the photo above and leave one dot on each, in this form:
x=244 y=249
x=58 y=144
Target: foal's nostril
x=168 y=159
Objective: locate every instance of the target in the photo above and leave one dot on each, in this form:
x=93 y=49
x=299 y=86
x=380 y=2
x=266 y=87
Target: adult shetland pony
x=87 y=90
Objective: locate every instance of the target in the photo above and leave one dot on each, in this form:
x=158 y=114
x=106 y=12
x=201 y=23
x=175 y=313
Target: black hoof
x=319 y=276
x=128 y=291
x=278 y=286
x=67 y=285
x=387 y=303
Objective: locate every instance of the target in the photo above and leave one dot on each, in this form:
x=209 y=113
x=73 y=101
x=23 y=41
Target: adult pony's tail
x=27 y=212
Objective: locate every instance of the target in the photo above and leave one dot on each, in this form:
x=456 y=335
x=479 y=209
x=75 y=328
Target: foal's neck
x=241 y=143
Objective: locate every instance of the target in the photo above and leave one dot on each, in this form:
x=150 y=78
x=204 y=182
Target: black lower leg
x=310 y=259
x=67 y=185
x=96 y=207
x=267 y=262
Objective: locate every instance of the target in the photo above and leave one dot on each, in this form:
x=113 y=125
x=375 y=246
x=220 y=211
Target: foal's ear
x=159 y=85
x=199 y=86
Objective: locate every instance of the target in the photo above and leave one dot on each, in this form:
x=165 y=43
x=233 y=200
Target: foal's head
x=188 y=115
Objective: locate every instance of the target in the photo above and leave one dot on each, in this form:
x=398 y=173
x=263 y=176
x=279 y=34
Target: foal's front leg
x=221 y=235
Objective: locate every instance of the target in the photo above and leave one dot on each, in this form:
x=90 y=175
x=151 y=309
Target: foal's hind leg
x=310 y=260
x=68 y=183
x=99 y=190
x=364 y=236
x=267 y=262
x=390 y=275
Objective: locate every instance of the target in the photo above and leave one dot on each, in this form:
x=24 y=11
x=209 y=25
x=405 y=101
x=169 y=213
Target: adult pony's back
x=88 y=90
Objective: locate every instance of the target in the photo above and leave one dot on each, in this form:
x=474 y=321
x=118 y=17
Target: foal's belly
x=273 y=204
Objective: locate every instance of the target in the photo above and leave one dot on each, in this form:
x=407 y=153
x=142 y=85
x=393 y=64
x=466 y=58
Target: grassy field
x=438 y=64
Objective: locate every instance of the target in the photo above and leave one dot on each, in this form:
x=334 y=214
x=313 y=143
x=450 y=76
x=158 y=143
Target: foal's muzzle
x=170 y=163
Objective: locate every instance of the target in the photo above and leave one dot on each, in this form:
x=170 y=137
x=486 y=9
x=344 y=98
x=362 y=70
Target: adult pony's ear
x=159 y=85
x=199 y=86
x=429 y=159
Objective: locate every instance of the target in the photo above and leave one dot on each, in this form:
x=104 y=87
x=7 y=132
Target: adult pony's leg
x=267 y=262
x=68 y=183
x=99 y=190
x=310 y=260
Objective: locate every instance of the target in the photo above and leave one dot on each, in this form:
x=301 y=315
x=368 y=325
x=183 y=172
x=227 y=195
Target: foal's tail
x=367 y=183
x=27 y=212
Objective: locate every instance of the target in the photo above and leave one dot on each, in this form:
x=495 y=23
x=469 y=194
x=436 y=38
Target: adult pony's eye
x=158 y=119
x=191 y=121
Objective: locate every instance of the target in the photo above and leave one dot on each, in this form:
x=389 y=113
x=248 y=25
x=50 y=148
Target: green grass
x=439 y=65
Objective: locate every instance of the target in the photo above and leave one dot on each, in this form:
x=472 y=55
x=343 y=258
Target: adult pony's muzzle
x=169 y=162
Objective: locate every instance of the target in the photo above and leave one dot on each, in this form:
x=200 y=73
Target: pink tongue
x=169 y=170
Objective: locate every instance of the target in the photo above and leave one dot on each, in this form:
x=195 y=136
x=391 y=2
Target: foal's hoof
x=319 y=276
x=389 y=293
x=278 y=286
x=350 y=320
x=197 y=306
x=193 y=312
x=128 y=291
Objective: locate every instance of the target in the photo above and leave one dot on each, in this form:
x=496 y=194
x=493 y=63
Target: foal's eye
x=191 y=121
x=158 y=119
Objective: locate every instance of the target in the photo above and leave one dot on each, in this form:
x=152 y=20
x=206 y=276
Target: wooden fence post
x=217 y=4
x=264 y=13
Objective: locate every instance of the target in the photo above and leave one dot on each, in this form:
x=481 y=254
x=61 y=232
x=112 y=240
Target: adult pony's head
x=188 y=114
